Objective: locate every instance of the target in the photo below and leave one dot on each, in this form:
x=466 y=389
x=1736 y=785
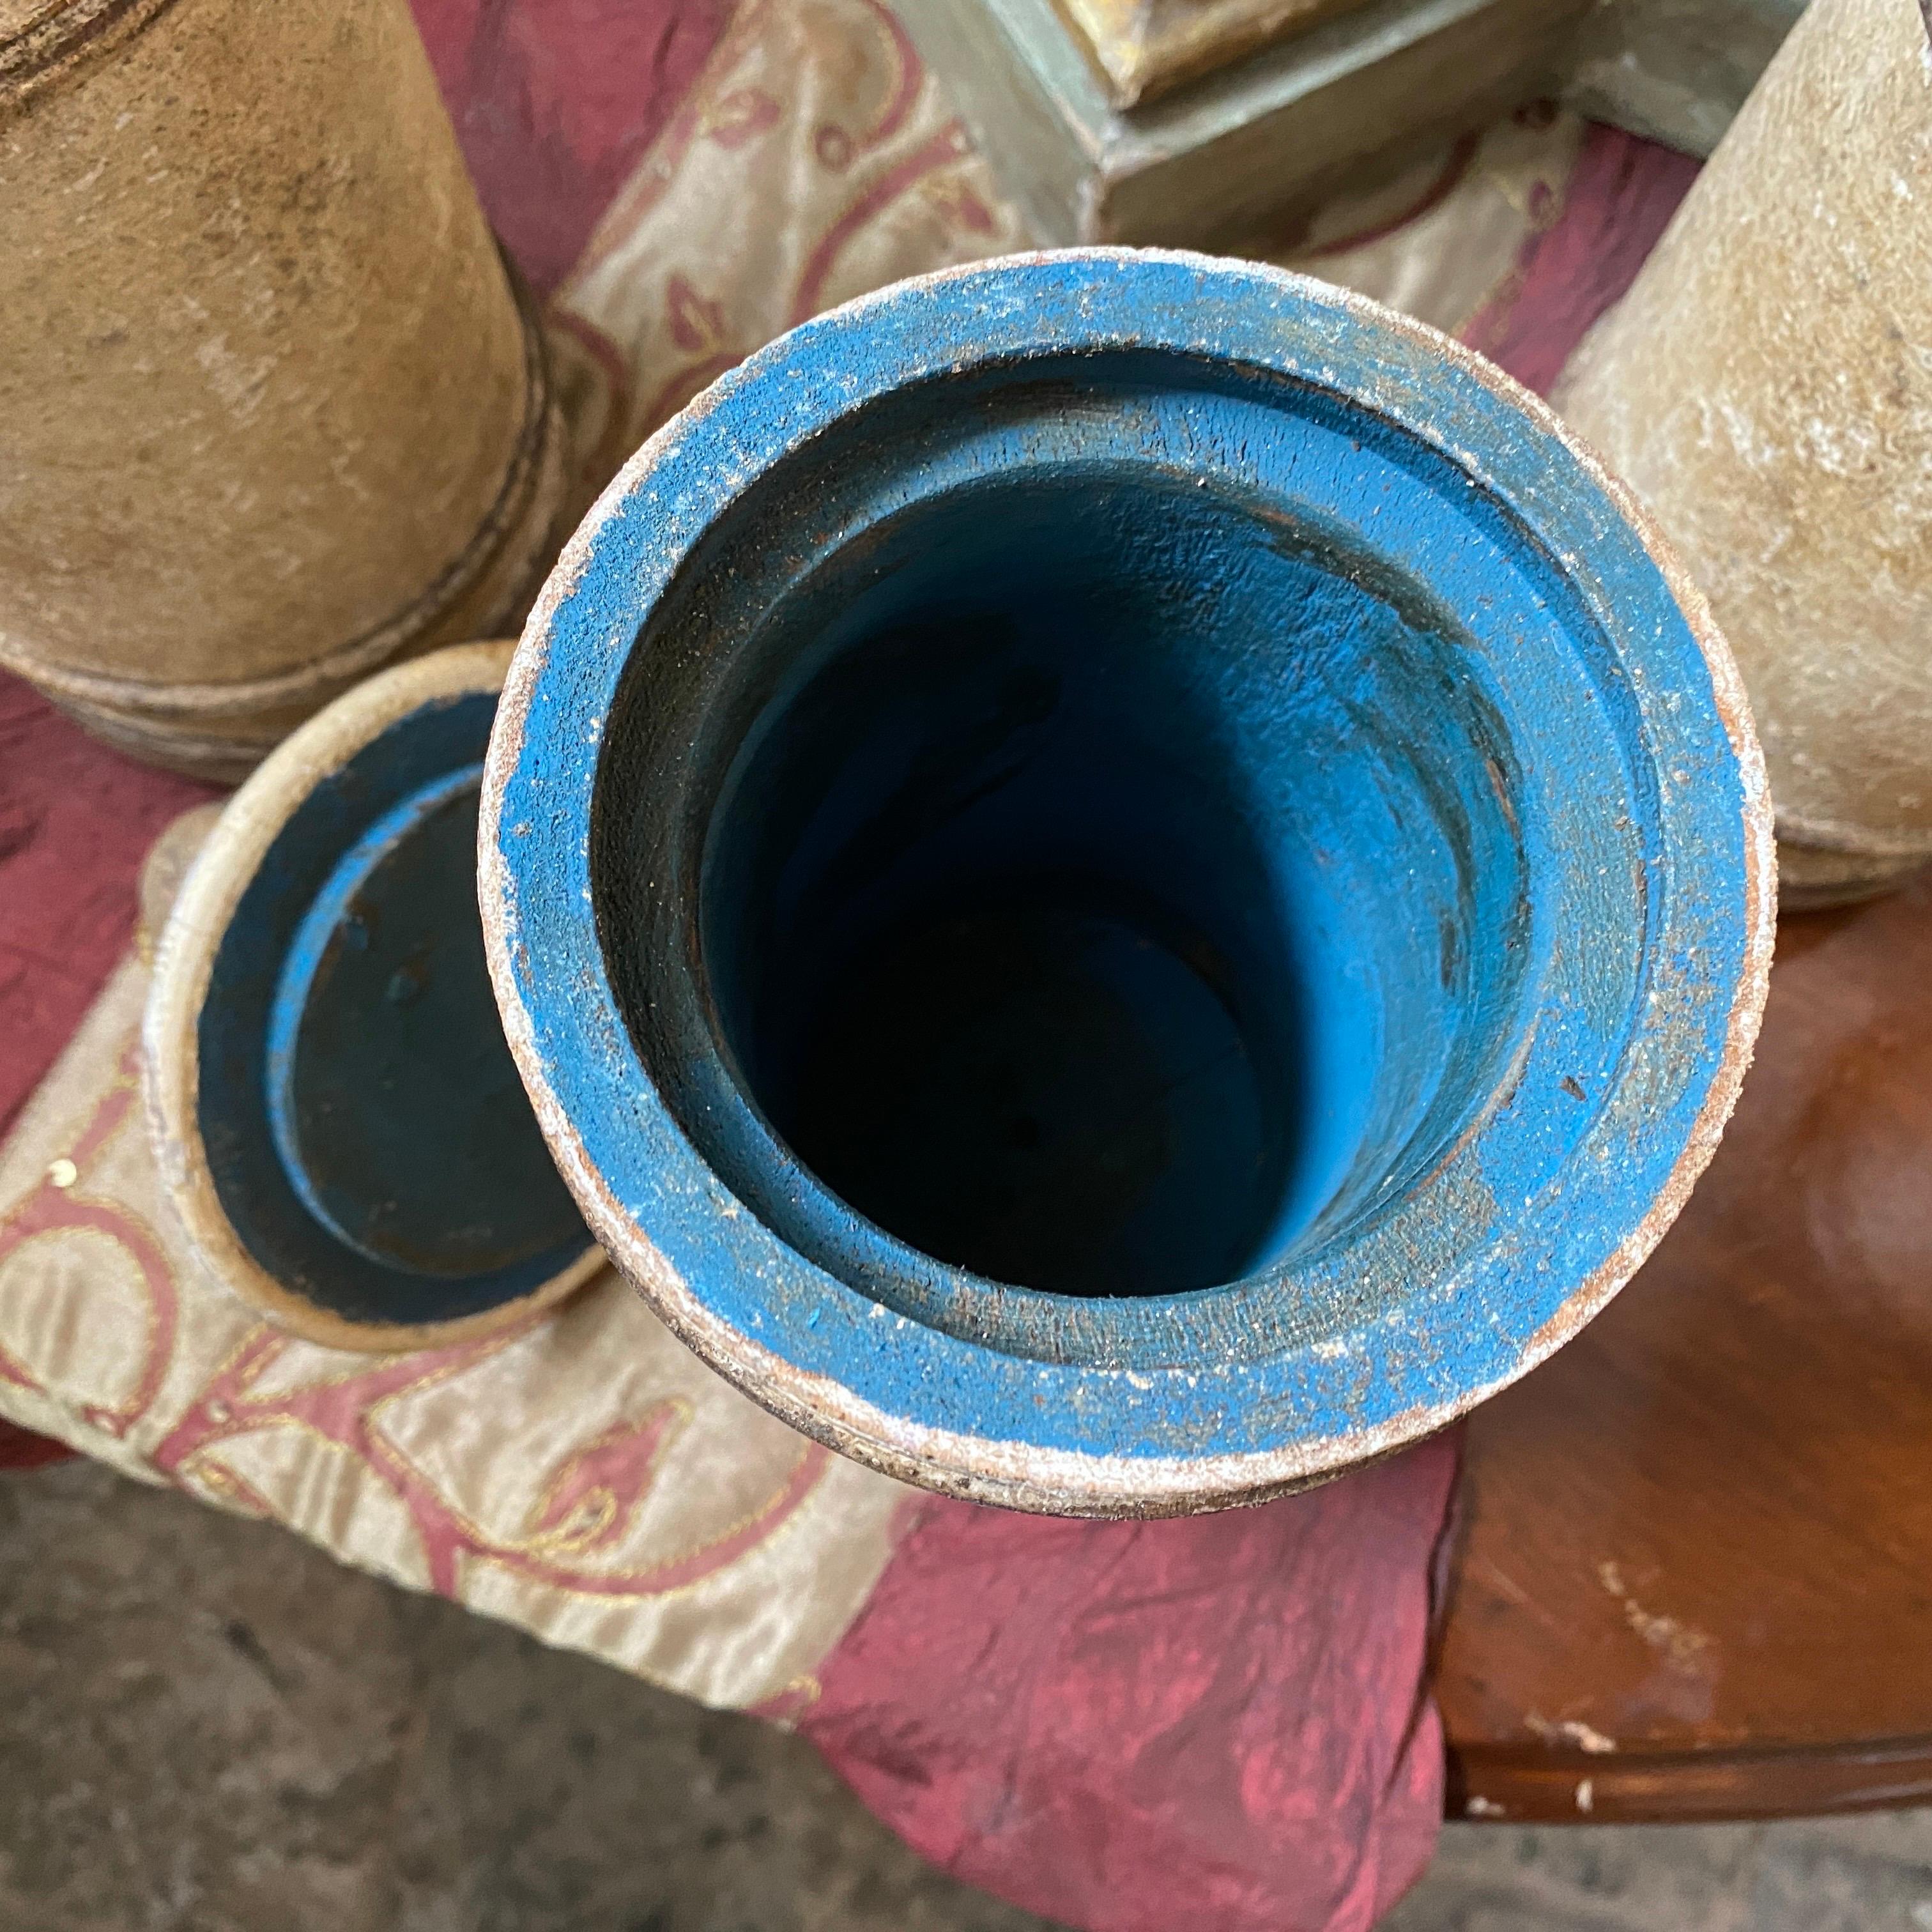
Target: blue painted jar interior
x=1035 y=835
x=365 y=1127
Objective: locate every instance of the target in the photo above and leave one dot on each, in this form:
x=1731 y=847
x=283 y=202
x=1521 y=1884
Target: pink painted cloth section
x=76 y=822
x=1619 y=200
x=21 y=1450
x=1215 y=1722
x=555 y=101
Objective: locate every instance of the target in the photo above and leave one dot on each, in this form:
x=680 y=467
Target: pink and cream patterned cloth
x=1221 y=1722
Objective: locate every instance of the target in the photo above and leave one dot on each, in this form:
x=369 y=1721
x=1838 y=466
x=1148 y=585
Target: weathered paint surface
x=336 y=1113
x=1311 y=629
x=363 y=1121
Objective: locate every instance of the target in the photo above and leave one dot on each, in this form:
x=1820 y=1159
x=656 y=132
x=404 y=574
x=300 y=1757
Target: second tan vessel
x=1767 y=386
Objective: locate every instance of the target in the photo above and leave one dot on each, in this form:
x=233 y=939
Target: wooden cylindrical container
x=1767 y=387
x=271 y=414
x=1122 y=880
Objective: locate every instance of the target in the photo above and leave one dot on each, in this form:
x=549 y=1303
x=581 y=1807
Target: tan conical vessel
x=1767 y=386
x=271 y=414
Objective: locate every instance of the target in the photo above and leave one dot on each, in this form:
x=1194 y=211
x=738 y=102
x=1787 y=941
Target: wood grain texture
x=1695 y=1575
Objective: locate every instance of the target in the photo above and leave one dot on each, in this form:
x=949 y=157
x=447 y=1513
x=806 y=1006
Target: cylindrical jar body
x=270 y=414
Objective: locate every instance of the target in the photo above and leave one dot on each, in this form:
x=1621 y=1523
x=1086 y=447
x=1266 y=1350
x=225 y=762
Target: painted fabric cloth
x=1220 y=1722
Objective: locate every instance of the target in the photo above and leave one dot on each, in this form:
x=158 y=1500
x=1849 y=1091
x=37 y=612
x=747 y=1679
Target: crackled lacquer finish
x=1767 y=387
x=270 y=414
x=1122 y=880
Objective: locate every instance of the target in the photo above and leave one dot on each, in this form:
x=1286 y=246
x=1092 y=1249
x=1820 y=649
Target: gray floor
x=206 y=1725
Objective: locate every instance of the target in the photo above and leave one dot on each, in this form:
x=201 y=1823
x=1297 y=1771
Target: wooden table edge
x=1535 y=1785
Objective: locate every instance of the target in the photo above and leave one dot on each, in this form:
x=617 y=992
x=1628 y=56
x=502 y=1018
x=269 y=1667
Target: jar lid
x=335 y=1112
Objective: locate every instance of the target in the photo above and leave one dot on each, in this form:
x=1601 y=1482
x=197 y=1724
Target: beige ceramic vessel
x=1767 y=386
x=271 y=414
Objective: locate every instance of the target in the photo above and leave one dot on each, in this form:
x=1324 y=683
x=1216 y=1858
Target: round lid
x=336 y=1112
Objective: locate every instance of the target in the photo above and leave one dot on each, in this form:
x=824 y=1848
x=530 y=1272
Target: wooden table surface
x=1692 y=1577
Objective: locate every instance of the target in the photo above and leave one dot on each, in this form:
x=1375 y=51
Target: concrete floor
x=206 y=1726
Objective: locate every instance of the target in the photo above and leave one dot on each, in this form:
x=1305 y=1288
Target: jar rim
x=1110 y=1433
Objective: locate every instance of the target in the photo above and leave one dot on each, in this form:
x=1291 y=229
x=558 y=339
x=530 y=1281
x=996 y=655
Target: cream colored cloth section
x=816 y=160
x=586 y=1478
x=1442 y=242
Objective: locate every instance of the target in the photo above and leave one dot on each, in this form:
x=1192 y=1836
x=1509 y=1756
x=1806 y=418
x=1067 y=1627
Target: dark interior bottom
x=1044 y=1088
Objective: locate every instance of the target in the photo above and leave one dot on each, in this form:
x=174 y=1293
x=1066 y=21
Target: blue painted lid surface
x=361 y=1119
